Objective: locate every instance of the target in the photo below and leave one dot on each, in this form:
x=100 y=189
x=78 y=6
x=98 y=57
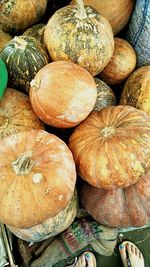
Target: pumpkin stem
x=20 y=43
x=81 y=13
x=107 y=131
x=24 y=163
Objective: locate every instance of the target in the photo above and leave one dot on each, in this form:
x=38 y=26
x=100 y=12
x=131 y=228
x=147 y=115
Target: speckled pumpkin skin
x=16 y=114
x=52 y=226
x=4 y=39
x=117 y=12
x=37 y=178
x=122 y=63
x=16 y=16
x=36 y=31
x=105 y=95
x=87 y=42
x=136 y=91
x=111 y=147
x=24 y=56
x=128 y=207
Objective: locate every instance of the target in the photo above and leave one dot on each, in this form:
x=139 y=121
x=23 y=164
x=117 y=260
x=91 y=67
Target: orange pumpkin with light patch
x=111 y=148
x=63 y=94
x=37 y=182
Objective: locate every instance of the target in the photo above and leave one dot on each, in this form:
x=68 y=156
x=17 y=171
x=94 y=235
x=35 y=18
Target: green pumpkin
x=24 y=56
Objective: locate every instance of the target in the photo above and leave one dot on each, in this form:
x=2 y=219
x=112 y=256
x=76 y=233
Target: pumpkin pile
x=64 y=119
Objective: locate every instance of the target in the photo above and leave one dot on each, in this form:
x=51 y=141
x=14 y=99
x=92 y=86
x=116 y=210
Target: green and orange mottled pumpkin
x=16 y=114
x=136 y=91
x=36 y=31
x=16 y=16
x=111 y=147
x=24 y=56
x=81 y=35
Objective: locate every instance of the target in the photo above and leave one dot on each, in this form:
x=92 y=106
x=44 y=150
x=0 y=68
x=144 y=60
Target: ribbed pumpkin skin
x=63 y=94
x=136 y=91
x=16 y=114
x=111 y=148
x=24 y=56
x=36 y=31
x=121 y=64
x=105 y=95
x=37 y=178
x=119 y=207
x=4 y=39
x=16 y=16
x=52 y=226
x=87 y=42
x=117 y=12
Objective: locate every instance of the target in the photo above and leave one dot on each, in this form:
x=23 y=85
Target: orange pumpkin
x=63 y=94
x=37 y=178
x=111 y=148
x=16 y=114
x=52 y=226
x=125 y=207
x=16 y=16
x=122 y=63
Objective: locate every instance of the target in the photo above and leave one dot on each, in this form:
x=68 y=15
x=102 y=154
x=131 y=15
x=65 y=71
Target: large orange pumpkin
x=16 y=114
x=119 y=207
x=37 y=178
x=63 y=94
x=111 y=148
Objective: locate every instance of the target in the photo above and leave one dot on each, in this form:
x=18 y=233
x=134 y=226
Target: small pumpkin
x=36 y=31
x=16 y=16
x=62 y=94
x=111 y=147
x=37 y=178
x=16 y=114
x=4 y=39
x=52 y=226
x=82 y=36
x=122 y=63
x=23 y=56
x=117 y=12
x=105 y=95
x=126 y=207
x=136 y=90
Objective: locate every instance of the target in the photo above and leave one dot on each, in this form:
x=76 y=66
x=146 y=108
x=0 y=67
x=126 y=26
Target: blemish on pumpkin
x=60 y=197
x=37 y=178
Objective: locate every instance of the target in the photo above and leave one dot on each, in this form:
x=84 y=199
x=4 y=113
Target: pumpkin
x=36 y=31
x=4 y=39
x=82 y=36
x=52 y=226
x=105 y=95
x=23 y=56
x=117 y=12
x=16 y=114
x=138 y=31
x=16 y=16
x=136 y=89
x=37 y=178
x=122 y=63
x=3 y=78
x=62 y=94
x=126 y=207
x=111 y=147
